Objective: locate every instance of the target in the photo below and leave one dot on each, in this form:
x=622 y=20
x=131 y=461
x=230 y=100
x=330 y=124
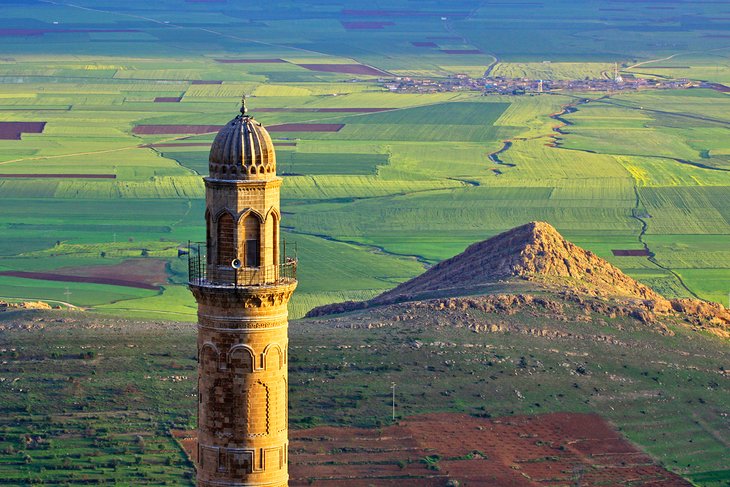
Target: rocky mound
x=5 y=306
x=532 y=250
x=535 y=251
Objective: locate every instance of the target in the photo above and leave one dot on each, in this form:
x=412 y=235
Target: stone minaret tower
x=242 y=286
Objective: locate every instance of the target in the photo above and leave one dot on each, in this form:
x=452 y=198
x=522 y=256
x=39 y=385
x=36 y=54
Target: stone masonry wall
x=243 y=391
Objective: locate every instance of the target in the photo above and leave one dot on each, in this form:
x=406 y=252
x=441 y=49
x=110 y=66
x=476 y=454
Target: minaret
x=242 y=285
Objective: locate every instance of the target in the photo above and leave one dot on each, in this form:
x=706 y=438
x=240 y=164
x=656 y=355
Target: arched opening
x=271 y=247
x=226 y=239
x=208 y=241
x=251 y=238
x=275 y=238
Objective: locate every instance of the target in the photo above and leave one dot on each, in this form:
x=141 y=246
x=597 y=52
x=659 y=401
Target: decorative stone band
x=231 y=324
x=257 y=361
x=254 y=298
x=213 y=183
x=263 y=461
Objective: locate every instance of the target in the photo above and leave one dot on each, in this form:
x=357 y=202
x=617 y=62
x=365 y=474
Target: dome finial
x=244 y=109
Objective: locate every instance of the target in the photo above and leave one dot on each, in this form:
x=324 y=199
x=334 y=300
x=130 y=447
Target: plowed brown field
x=306 y=127
x=553 y=450
x=14 y=130
x=59 y=176
x=175 y=129
x=137 y=273
x=250 y=61
x=344 y=68
x=168 y=99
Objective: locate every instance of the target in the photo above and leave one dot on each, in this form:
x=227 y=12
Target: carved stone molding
x=243 y=185
x=248 y=297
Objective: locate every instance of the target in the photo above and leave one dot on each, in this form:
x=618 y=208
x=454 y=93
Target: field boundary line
x=176 y=26
x=673 y=56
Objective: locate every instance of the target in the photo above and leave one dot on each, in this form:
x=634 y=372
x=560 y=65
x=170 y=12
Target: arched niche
x=273 y=357
x=240 y=360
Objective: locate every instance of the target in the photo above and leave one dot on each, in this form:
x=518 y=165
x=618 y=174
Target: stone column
x=243 y=389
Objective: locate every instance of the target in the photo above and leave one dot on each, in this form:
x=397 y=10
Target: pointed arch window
x=225 y=239
x=252 y=240
x=272 y=245
x=208 y=241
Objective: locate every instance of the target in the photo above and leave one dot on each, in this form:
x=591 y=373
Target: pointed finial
x=244 y=109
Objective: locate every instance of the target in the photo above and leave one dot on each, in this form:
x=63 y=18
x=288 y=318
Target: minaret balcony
x=233 y=275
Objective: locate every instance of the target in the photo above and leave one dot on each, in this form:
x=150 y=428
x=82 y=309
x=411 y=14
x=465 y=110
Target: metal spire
x=244 y=109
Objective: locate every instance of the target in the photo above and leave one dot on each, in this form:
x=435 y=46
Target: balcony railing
x=200 y=274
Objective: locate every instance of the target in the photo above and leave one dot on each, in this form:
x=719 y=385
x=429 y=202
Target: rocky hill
x=534 y=250
x=537 y=255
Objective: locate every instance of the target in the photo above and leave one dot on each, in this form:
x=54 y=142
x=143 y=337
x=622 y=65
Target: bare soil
x=435 y=449
x=631 y=253
x=528 y=251
x=249 y=61
x=14 y=130
x=168 y=99
x=184 y=144
x=306 y=127
x=175 y=129
x=324 y=110
x=137 y=273
x=205 y=129
x=344 y=68
x=60 y=176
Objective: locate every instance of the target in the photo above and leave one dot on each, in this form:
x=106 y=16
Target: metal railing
x=200 y=274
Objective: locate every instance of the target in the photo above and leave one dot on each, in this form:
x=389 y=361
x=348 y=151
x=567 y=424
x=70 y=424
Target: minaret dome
x=242 y=150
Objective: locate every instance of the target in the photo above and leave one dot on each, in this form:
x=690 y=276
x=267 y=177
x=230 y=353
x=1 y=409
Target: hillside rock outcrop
x=532 y=251
x=537 y=253
x=5 y=306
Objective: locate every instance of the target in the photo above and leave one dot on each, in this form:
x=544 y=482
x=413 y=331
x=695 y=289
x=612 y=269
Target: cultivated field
x=121 y=130
x=104 y=393
x=106 y=115
x=433 y=450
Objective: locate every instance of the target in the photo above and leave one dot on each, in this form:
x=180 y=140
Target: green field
x=98 y=395
x=363 y=208
x=411 y=183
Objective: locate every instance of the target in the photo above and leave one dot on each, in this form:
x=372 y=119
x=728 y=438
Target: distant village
x=523 y=86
